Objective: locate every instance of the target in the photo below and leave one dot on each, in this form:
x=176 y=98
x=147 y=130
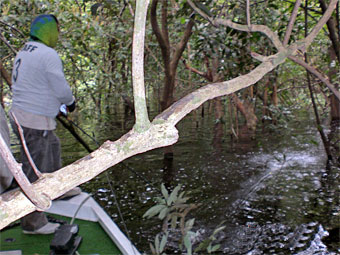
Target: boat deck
x=101 y=236
x=95 y=240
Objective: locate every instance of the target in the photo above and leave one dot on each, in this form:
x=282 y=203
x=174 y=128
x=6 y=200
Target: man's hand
x=71 y=107
x=63 y=110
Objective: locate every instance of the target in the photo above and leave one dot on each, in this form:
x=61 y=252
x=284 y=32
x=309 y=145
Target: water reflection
x=273 y=194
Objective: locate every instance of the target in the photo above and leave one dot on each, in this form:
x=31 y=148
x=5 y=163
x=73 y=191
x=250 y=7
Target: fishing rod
x=70 y=127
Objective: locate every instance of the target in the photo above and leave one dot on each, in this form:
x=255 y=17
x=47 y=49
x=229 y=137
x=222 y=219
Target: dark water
x=273 y=193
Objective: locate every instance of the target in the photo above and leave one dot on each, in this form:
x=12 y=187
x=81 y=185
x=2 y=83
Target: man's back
x=39 y=85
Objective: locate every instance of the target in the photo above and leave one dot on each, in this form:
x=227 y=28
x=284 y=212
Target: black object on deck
x=65 y=240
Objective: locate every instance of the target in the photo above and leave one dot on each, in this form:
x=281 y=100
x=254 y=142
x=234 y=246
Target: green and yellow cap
x=44 y=28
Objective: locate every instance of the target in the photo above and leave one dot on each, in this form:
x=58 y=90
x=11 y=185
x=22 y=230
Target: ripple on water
x=274 y=199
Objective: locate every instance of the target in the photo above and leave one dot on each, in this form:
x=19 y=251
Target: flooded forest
x=225 y=114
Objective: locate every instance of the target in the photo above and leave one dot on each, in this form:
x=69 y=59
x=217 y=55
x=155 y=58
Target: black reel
x=65 y=240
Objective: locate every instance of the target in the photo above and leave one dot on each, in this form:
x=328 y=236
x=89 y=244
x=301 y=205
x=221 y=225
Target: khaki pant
x=44 y=148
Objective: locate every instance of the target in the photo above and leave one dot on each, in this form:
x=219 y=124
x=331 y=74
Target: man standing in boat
x=39 y=90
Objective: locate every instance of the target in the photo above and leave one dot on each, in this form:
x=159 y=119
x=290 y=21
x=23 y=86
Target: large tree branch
x=252 y=28
x=246 y=28
x=302 y=44
x=8 y=44
x=13 y=28
x=195 y=99
x=141 y=112
x=180 y=47
x=325 y=17
x=40 y=200
x=164 y=20
x=291 y=22
x=248 y=13
x=333 y=35
x=194 y=70
x=315 y=72
x=162 y=131
x=181 y=108
x=165 y=47
x=14 y=204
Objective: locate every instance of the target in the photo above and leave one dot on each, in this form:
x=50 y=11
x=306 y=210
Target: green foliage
x=95 y=45
x=158 y=247
x=170 y=205
x=172 y=209
x=208 y=243
x=96 y=38
x=203 y=8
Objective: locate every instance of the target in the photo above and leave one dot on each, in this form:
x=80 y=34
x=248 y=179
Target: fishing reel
x=65 y=240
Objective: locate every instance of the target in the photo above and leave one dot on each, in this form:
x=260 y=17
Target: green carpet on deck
x=95 y=240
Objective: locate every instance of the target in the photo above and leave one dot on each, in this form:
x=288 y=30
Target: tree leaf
x=163 y=242
x=187 y=244
x=153 y=211
x=157 y=243
x=164 y=192
x=203 y=245
x=181 y=195
x=181 y=200
x=189 y=224
x=215 y=247
x=209 y=248
x=173 y=195
x=163 y=213
x=160 y=200
x=218 y=230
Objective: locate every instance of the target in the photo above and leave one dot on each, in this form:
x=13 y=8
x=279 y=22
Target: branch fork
x=40 y=200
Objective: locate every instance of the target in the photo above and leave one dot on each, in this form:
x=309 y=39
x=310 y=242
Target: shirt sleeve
x=56 y=79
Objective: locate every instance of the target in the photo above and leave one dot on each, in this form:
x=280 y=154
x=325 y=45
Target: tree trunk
x=170 y=59
x=275 y=99
x=218 y=128
x=335 y=104
x=333 y=31
x=265 y=102
x=324 y=139
x=247 y=111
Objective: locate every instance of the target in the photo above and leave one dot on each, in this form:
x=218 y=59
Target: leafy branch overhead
x=292 y=52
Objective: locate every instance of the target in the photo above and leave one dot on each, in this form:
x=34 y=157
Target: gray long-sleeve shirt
x=39 y=85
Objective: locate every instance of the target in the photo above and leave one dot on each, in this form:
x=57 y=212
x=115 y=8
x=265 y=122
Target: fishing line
x=110 y=183
x=83 y=131
x=119 y=211
x=79 y=207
